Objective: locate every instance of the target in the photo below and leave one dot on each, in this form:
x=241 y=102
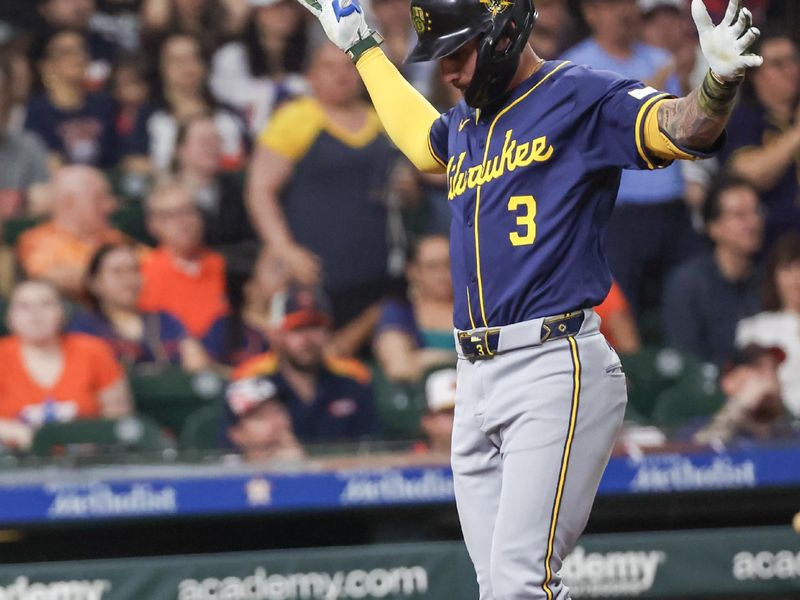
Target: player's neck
x=529 y=63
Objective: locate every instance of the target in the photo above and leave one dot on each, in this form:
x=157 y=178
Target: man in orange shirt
x=181 y=276
x=59 y=250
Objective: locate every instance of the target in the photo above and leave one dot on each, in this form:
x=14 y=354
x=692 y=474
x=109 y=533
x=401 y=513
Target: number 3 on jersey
x=525 y=207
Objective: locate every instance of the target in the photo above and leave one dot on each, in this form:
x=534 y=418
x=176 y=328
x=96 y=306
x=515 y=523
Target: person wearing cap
x=779 y=323
x=667 y=24
x=257 y=423
x=754 y=408
x=650 y=229
x=437 y=422
x=329 y=399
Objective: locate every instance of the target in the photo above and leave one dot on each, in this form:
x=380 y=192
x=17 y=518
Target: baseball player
x=533 y=156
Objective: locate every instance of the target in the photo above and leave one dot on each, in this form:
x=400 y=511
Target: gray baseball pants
x=534 y=429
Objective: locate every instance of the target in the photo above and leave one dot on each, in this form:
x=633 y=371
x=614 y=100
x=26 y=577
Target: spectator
x=210 y=20
x=326 y=156
x=23 y=159
x=666 y=24
x=60 y=249
x=764 y=134
x=554 y=28
x=242 y=336
x=391 y=19
x=257 y=423
x=417 y=333
x=181 y=276
x=77 y=126
x=265 y=68
x=49 y=376
x=329 y=399
x=22 y=78
x=779 y=324
x=753 y=409
x=219 y=195
x=650 y=229
x=76 y=15
x=113 y=283
x=705 y=297
x=618 y=324
x=437 y=422
x=129 y=89
x=119 y=22
x=181 y=94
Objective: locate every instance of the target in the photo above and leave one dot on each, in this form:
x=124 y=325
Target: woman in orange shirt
x=48 y=376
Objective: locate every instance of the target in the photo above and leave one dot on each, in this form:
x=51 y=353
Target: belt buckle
x=476 y=346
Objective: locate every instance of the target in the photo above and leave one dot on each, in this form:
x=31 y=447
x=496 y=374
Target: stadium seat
x=201 y=431
x=130 y=220
x=399 y=405
x=136 y=433
x=169 y=394
x=690 y=399
x=13 y=228
x=653 y=370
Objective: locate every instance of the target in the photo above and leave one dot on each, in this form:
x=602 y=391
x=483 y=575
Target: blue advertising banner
x=125 y=492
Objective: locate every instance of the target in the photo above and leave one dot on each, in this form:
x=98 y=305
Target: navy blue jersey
x=531 y=189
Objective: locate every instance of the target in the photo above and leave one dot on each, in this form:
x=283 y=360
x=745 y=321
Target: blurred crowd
x=199 y=190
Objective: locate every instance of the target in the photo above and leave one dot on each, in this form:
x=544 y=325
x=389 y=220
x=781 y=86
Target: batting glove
x=344 y=24
x=725 y=45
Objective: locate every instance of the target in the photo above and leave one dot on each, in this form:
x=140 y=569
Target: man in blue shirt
x=705 y=297
x=328 y=399
x=650 y=229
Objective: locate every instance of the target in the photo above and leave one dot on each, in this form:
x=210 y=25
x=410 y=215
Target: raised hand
x=342 y=20
x=725 y=45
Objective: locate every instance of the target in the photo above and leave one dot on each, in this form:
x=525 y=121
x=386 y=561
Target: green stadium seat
x=13 y=228
x=653 y=370
x=137 y=433
x=399 y=407
x=169 y=394
x=201 y=431
x=130 y=219
x=690 y=399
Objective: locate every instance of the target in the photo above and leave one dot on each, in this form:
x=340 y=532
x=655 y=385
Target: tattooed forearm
x=698 y=119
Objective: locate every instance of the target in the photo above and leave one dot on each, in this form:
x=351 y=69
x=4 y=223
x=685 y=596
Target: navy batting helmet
x=444 y=26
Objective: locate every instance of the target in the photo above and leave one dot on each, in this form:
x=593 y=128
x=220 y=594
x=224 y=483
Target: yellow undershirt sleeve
x=406 y=115
x=658 y=142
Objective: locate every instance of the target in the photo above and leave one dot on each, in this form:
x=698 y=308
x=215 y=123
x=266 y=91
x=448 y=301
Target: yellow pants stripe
x=562 y=475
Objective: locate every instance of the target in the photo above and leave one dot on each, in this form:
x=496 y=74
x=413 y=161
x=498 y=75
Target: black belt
x=482 y=344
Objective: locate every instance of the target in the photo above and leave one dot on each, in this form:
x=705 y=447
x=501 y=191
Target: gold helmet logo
x=420 y=19
x=496 y=6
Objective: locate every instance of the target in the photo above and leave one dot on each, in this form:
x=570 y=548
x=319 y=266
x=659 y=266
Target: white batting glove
x=342 y=20
x=724 y=45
